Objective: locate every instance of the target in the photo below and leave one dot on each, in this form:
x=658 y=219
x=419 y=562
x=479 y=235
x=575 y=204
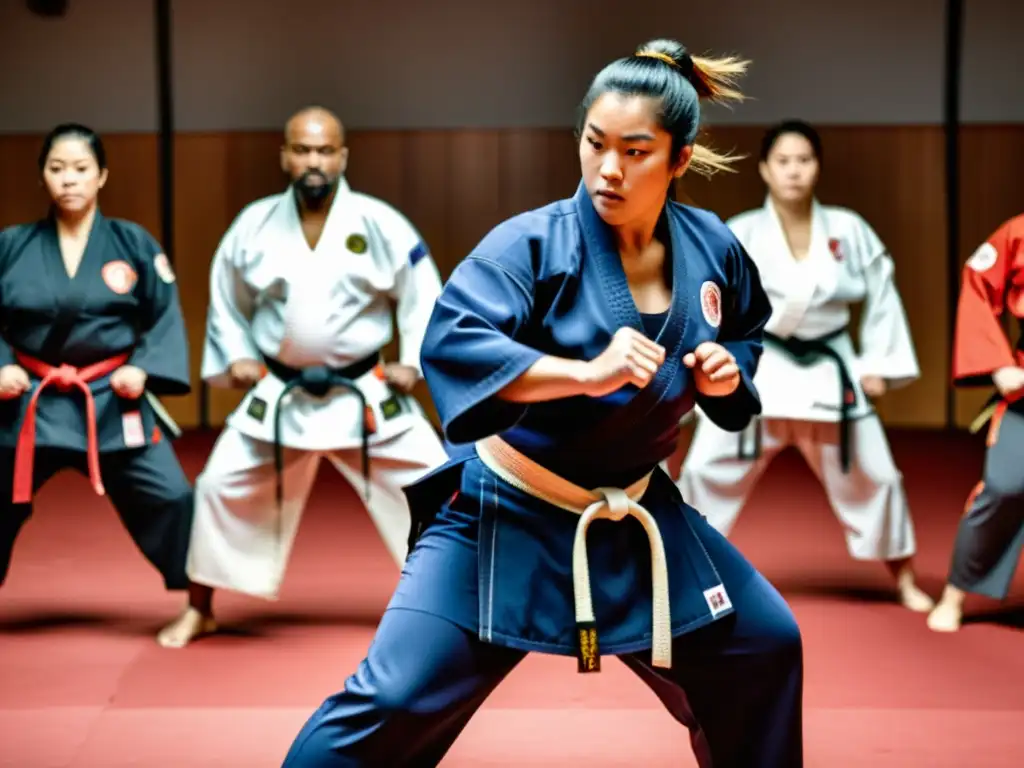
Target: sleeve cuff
x=732 y=412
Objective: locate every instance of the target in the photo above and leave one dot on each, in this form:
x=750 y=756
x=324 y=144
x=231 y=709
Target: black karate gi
x=120 y=308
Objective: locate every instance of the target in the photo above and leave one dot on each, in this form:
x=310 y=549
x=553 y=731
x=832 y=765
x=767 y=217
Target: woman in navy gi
x=561 y=356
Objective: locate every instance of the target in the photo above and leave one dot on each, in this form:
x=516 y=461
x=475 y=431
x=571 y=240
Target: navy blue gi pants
x=736 y=684
x=990 y=537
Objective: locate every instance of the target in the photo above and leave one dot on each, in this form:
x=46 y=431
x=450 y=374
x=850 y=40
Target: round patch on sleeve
x=984 y=258
x=163 y=267
x=119 y=276
x=711 y=303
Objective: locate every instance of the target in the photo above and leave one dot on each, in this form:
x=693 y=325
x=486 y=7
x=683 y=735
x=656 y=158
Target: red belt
x=64 y=377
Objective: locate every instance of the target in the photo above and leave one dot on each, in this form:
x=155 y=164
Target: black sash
x=806 y=351
x=318 y=381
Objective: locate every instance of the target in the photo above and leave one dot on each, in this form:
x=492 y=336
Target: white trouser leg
x=240 y=539
x=869 y=501
x=394 y=464
x=715 y=481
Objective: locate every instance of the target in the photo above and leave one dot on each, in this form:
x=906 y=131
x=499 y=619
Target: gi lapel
x=603 y=256
x=790 y=279
x=824 y=257
x=69 y=293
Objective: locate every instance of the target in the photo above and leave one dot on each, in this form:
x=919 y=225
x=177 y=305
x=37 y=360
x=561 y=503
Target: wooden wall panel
x=895 y=179
x=455 y=185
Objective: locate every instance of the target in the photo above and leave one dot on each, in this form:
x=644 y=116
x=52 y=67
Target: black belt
x=806 y=351
x=318 y=381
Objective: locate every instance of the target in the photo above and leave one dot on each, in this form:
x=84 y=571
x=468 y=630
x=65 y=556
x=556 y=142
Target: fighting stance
x=816 y=261
x=991 y=533
x=91 y=332
x=300 y=291
x=561 y=355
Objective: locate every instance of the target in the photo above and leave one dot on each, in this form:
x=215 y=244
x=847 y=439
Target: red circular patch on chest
x=119 y=276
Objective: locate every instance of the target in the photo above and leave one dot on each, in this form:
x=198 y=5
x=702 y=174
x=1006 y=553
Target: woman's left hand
x=715 y=372
x=128 y=382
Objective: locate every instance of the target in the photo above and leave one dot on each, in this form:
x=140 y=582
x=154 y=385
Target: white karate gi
x=847 y=263
x=271 y=295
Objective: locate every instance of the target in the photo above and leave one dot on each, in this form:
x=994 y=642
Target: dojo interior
x=460 y=114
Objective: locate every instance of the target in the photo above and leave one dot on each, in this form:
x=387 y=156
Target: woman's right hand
x=14 y=382
x=631 y=358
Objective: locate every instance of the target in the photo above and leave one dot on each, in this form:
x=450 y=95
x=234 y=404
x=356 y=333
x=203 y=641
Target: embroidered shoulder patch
x=417 y=253
x=163 y=267
x=984 y=258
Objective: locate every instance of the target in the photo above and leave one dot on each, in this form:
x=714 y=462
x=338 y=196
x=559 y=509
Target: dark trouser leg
x=738 y=684
x=421 y=682
x=13 y=516
x=991 y=533
x=153 y=497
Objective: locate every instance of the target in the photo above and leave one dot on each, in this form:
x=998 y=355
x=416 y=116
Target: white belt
x=601 y=503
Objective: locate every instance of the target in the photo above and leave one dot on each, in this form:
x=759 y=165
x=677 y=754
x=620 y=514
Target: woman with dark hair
x=91 y=332
x=561 y=355
x=816 y=261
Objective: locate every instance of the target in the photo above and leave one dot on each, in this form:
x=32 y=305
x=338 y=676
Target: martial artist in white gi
x=815 y=262
x=301 y=287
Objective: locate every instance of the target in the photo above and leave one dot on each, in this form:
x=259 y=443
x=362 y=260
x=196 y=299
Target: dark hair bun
x=671 y=48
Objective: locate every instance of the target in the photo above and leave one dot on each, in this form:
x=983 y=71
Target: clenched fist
x=1009 y=380
x=715 y=372
x=873 y=386
x=401 y=377
x=128 y=382
x=245 y=373
x=14 y=382
x=631 y=358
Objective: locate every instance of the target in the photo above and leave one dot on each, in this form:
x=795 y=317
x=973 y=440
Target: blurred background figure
x=816 y=261
x=300 y=288
x=91 y=330
x=990 y=538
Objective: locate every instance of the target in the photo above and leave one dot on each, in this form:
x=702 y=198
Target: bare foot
x=191 y=625
x=949 y=613
x=945 y=618
x=914 y=598
x=911 y=596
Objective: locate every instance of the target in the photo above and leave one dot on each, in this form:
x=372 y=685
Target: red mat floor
x=83 y=685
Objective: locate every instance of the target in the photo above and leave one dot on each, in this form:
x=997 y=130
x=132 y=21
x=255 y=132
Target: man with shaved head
x=314 y=156
x=300 y=308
